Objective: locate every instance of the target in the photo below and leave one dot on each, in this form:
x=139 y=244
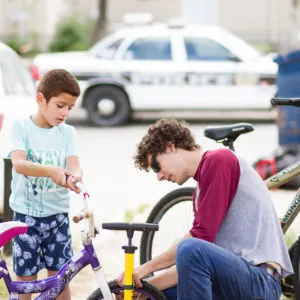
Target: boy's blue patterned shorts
x=47 y=244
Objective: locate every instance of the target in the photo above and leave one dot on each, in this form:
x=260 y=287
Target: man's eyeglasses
x=154 y=163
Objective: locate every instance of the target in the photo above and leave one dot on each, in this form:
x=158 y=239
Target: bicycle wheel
x=174 y=214
x=148 y=290
x=296 y=267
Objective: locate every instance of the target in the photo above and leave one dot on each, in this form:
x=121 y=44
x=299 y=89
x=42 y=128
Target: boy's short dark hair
x=158 y=137
x=56 y=82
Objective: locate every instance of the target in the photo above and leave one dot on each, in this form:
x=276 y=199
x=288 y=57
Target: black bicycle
x=174 y=212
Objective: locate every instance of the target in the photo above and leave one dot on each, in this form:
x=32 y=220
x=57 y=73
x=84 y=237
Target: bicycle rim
x=148 y=290
x=114 y=291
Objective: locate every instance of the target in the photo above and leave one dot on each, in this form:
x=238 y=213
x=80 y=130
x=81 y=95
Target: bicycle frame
x=277 y=180
x=51 y=287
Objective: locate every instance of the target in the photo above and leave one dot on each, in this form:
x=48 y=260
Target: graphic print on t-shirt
x=37 y=187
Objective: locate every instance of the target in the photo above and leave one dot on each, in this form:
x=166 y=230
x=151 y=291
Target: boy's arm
x=73 y=166
x=29 y=168
x=72 y=161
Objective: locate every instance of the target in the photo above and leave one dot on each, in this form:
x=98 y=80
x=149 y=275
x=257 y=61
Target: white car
x=161 y=67
x=17 y=100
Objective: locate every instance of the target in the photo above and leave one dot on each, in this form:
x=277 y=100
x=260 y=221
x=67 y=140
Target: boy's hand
x=59 y=175
x=71 y=183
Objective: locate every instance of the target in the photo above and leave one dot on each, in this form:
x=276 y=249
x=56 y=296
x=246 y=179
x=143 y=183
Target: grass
x=3 y=290
x=131 y=214
x=290 y=238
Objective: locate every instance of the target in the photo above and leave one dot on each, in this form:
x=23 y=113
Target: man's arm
x=161 y=262
x=165 y=280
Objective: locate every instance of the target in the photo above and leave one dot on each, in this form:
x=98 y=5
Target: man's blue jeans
x=206 y=271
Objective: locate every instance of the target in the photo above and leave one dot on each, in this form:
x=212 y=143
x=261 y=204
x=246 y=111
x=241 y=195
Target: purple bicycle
x=50 y=288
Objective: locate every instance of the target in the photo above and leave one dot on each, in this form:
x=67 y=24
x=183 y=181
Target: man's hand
x=59 y=175
x=71 y=183
x=137 y=276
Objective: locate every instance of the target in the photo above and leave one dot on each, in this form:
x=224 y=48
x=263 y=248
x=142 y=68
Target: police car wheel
x=107 y=106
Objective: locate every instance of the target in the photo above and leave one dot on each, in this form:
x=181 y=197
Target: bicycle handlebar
x=82 y=215
x=86 y=213
x=286 y=101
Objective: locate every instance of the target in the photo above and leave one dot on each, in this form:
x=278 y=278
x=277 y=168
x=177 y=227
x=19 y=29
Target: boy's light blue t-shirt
x=41 y=196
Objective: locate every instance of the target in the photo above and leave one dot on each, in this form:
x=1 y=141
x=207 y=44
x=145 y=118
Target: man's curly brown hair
x=158 y=137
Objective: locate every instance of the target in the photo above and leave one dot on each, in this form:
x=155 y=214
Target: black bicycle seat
x=229 y=132
x=131 y=226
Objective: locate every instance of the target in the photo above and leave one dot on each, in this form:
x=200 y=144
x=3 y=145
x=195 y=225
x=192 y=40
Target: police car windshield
x=106 y=49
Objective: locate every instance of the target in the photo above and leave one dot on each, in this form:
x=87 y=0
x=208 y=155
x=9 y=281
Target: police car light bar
x=138 y=18
x=176 y=23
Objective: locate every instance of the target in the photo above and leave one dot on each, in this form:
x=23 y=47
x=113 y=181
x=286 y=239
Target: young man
x=236 y=248
x=45 y=167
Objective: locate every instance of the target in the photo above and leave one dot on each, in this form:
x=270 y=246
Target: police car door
x=147 y=67
x=210 y=74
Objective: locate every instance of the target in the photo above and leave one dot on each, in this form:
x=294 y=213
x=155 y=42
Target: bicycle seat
x=229 y=132
x=9 y=230
x=132 y=226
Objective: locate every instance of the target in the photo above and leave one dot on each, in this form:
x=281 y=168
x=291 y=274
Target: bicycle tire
x=296 y=267
x=157 y=213
x=147 y=289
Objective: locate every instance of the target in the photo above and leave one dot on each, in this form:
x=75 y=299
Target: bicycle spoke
x=175 y=223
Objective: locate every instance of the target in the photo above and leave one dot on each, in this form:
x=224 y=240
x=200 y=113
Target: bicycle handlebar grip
x=286 y=101
x=81 y=216
x=81 y=187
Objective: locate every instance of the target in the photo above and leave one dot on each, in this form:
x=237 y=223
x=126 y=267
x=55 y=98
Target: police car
x=166 y=67
x=17 y=101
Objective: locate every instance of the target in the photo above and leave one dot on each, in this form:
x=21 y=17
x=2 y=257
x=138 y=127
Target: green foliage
x=70 y=36
x=15 y=43
x=290 y=238
x=265 y=47
x=130 y=214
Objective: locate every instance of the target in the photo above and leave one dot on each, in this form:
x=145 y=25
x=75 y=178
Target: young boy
x=45 y=166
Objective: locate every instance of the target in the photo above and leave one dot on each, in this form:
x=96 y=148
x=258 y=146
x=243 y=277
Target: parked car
x=17 y=100
x=166 y=67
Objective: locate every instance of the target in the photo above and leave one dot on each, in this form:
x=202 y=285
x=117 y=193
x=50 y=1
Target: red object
x=262 y=166
x=9 y=230
x=218 y=177
x=1 y=120
x=35 y=73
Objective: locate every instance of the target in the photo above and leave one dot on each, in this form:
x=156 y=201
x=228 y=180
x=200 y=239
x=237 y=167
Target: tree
x=101 y=22
x=70 y=36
